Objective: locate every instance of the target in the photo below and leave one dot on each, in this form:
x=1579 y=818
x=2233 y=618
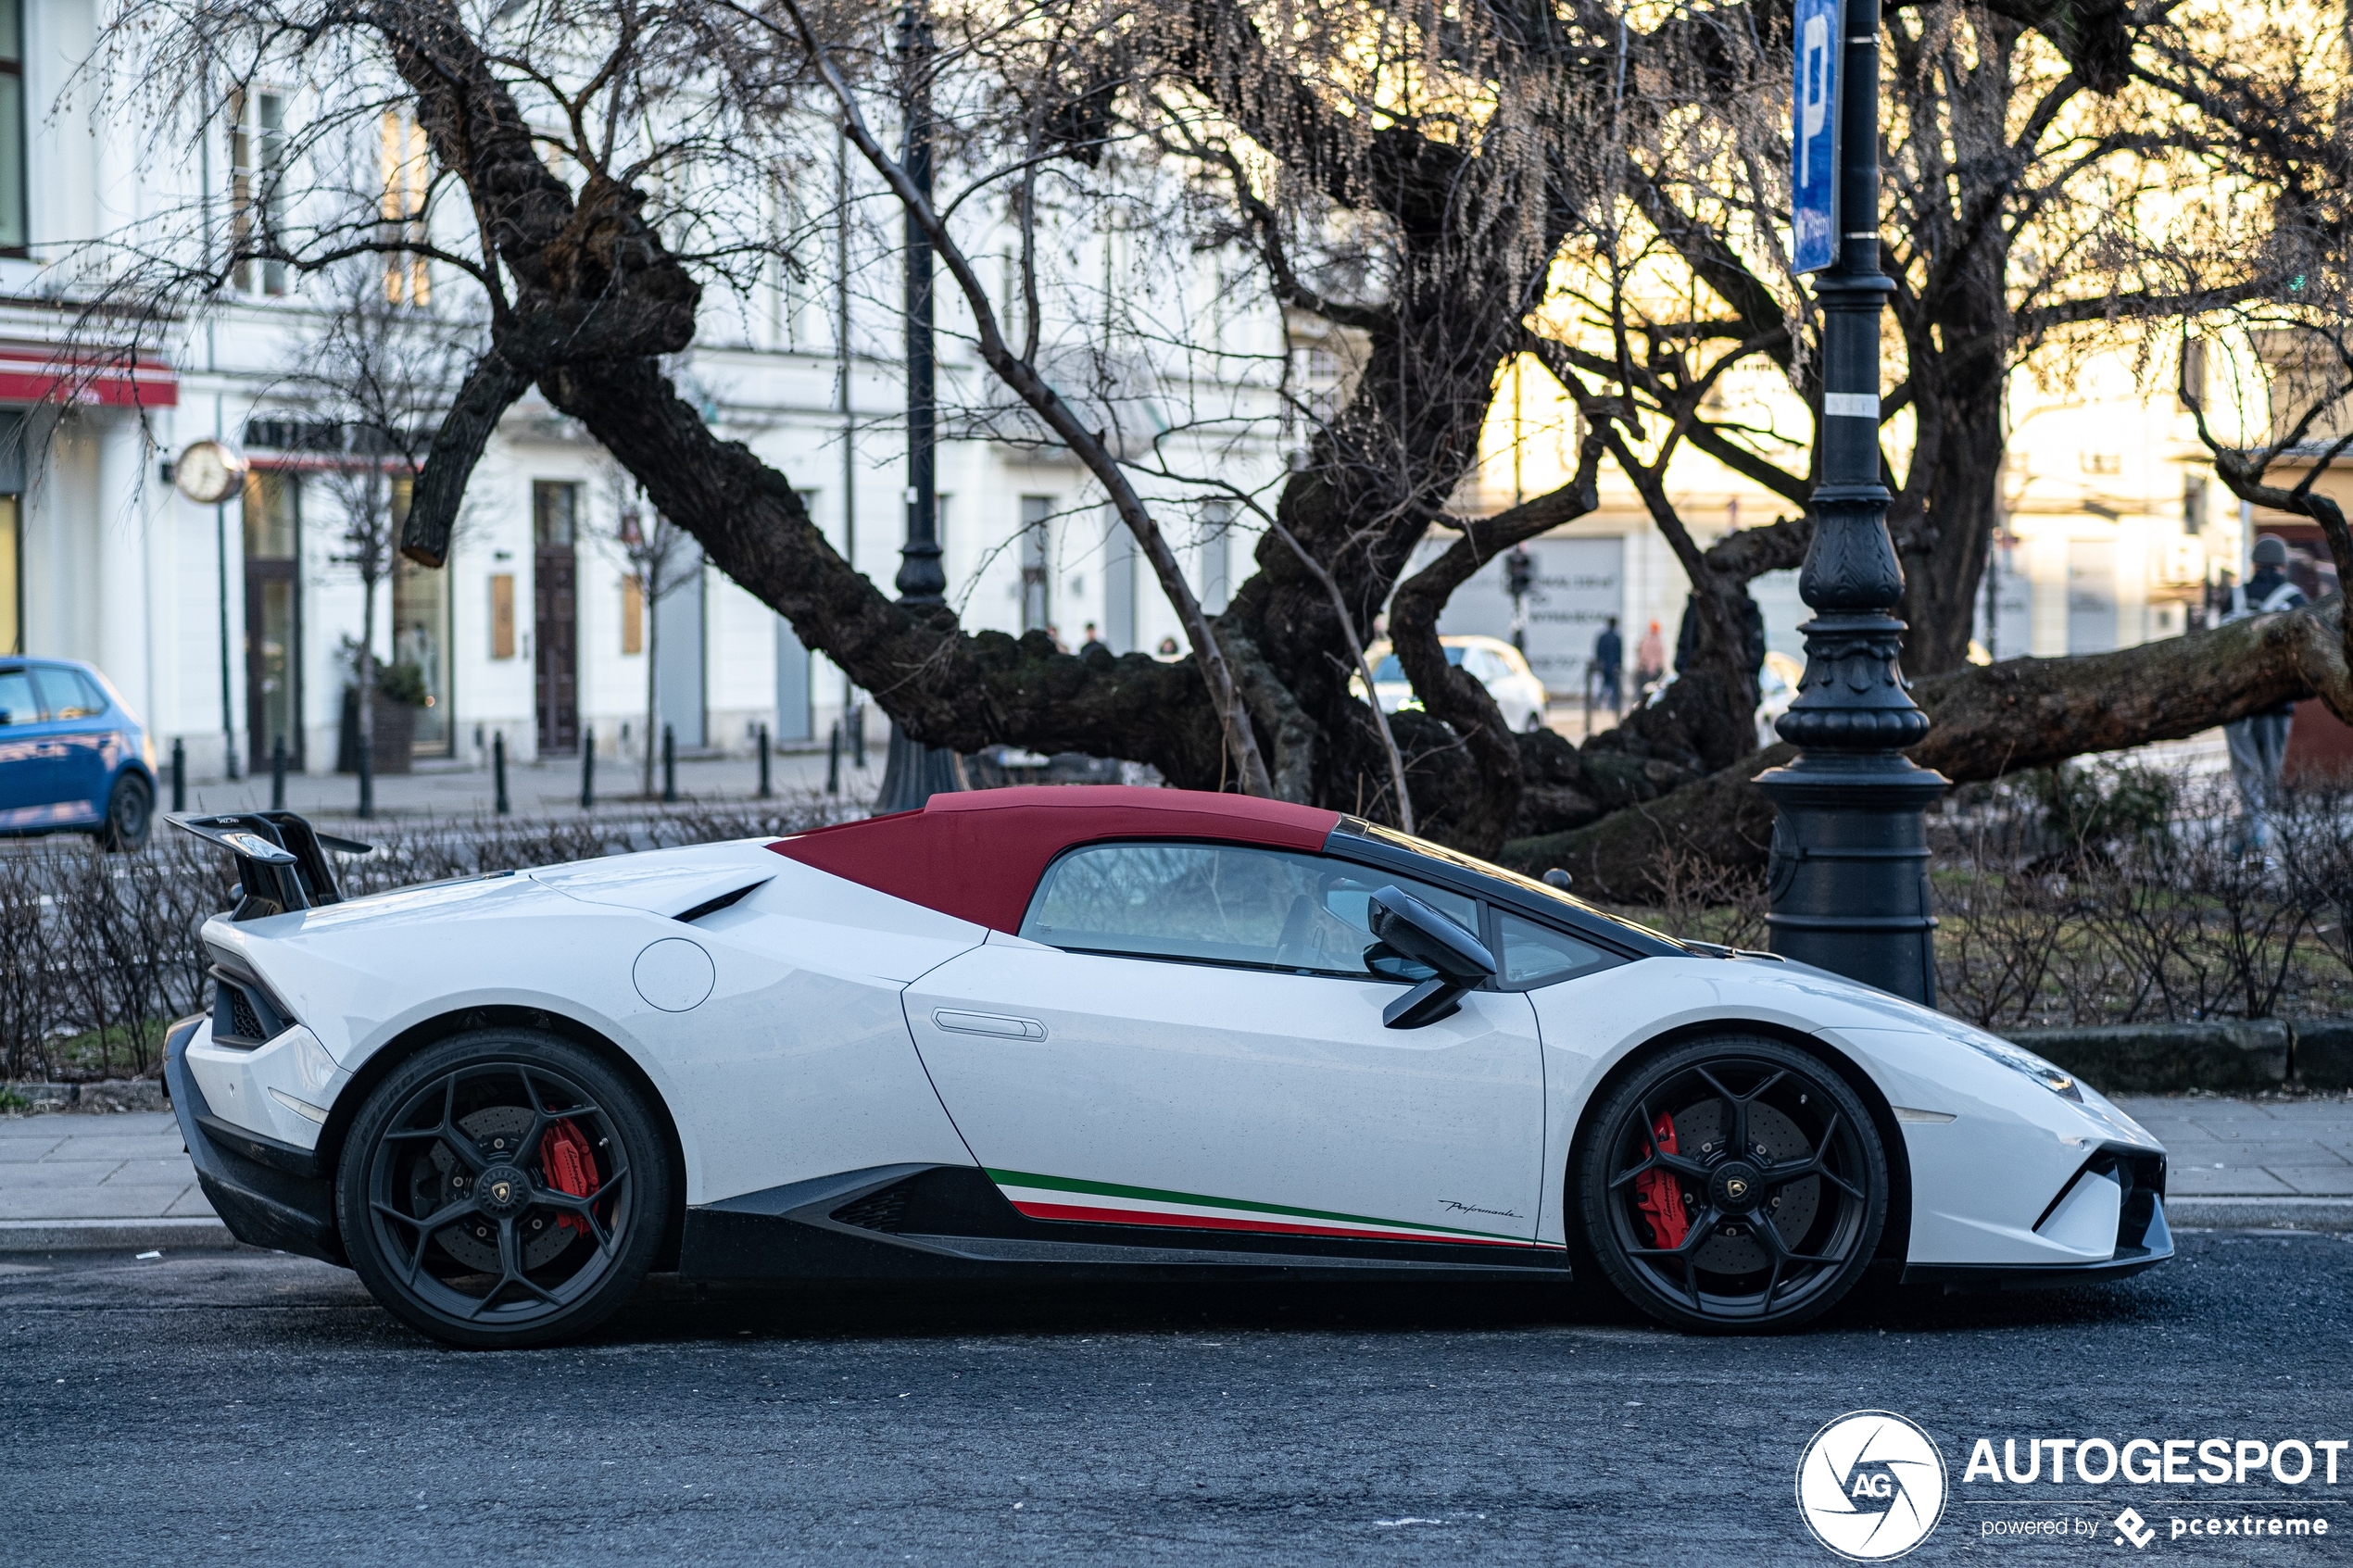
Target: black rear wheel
x=131 y=811
x=1734 y=1184
x=503 y=1188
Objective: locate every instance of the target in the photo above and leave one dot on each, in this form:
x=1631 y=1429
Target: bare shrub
x=2115 y=896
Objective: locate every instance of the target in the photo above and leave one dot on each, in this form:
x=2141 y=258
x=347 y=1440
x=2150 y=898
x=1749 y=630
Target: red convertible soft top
x=978 y=855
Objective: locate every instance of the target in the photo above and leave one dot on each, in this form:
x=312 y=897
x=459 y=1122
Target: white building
x=225 y=626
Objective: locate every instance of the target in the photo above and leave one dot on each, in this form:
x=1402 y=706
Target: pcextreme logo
x=1871 y=1486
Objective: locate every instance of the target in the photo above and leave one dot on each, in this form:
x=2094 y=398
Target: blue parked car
x=73 y=758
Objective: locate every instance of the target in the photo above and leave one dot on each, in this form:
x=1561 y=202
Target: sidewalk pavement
x=72 y=1183
x=77 y=1183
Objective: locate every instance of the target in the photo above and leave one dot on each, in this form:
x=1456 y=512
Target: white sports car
x=1100 y=1032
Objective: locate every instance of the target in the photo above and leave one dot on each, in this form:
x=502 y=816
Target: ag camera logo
x=1871 y=1486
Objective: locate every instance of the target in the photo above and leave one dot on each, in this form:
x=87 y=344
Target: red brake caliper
x=572 y=1168
x=1658 y=1196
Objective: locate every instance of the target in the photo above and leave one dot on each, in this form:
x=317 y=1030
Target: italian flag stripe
x=1063 y=1197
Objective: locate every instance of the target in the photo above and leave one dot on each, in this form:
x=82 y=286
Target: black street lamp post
x=915 y=773
x=1849 y=870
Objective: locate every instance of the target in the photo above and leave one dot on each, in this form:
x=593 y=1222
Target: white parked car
x=1491 y=661
x=1777 y=685
x=1098 y=1033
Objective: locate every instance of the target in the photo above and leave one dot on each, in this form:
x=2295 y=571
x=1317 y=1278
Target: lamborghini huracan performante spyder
x=1095 y=1033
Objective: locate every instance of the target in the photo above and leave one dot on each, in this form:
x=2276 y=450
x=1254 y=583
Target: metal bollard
x=858 y=733
x=498 y=774
x=588 y=769
x=278 y=772
x=833 y=759
x=669 y=765
x=179 y=775
x=367 y=749
x=764 y=762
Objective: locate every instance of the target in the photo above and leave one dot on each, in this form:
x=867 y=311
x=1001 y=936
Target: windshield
x=1488 y=868
x=1390 y=672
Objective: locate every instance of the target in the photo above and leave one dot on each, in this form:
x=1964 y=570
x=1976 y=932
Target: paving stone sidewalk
x=71 y=1182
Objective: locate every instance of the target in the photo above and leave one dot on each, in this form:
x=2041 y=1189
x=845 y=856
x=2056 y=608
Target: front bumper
x=2143 y=1237
x=269 y=1193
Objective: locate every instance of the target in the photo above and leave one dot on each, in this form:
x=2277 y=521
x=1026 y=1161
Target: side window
x=1221 y=904
x=17 y=706
x=1537 y=955
x=92 y=697
x=60 y=692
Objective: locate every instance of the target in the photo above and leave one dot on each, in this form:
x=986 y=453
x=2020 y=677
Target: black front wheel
x=503 y=1188
x=1734 y=1184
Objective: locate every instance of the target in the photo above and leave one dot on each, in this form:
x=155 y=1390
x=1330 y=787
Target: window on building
x=405 y=175
x=421 y=634
x=273 y=614
x=1037 y=554
x=257 y=189
x=13 y=233
x=11 y=578
x=2307 y=376
x=1216 y=555
x=1314 y=391
x=2193 y=503
x=2193 y=388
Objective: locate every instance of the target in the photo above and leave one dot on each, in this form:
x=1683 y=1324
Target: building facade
x=229 y=628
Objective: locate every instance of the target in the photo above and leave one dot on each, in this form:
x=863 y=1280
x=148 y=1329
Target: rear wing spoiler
x=282 y=860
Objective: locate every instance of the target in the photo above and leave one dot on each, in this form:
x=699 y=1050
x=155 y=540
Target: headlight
x=2061 y=1084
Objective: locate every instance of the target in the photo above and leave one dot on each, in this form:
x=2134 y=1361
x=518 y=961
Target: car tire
x=130 y=814
x=1730 y=1184
x=503 y=1187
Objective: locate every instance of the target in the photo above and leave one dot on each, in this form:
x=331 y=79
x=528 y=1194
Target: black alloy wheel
x=131 y=811
x=503 y=1188
x=1732 y=1185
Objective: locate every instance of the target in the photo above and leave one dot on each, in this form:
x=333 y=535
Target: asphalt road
x=252 y=1408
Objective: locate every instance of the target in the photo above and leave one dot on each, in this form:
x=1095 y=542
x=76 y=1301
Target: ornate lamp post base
x=915 y=773
x=1849 y=871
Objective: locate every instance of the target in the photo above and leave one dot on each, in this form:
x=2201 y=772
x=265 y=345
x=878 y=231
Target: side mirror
x=1412 y=929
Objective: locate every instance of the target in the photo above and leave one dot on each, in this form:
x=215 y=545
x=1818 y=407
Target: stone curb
x=112 y=1235
x=115 y=1094
x=2222 y=1056
x=2261 y=1213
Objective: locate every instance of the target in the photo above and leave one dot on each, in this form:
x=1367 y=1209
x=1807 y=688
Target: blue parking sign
x=1813 y=141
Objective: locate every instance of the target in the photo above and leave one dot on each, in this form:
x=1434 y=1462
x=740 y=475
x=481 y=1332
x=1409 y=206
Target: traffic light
x=1519 y=571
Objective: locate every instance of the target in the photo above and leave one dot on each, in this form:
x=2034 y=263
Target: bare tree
x=380 y=370
x=1408 y=182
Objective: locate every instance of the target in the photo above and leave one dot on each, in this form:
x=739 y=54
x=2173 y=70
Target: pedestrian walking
x=1609 y=660
x=2259 y=742
x=1650 y=663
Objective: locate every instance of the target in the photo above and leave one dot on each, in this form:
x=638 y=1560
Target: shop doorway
x=273 y=615
x=555 y=650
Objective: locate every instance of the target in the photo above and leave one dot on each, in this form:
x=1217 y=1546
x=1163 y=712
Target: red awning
x=40 y=372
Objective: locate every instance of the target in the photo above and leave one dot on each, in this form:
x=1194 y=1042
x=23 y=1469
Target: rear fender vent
x=884 y=1210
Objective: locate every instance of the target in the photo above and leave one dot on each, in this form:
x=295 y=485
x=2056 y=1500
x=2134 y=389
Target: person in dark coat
x=1609 y=663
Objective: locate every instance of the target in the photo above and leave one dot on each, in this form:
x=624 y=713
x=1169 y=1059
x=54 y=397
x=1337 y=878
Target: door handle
x=996 y=1024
